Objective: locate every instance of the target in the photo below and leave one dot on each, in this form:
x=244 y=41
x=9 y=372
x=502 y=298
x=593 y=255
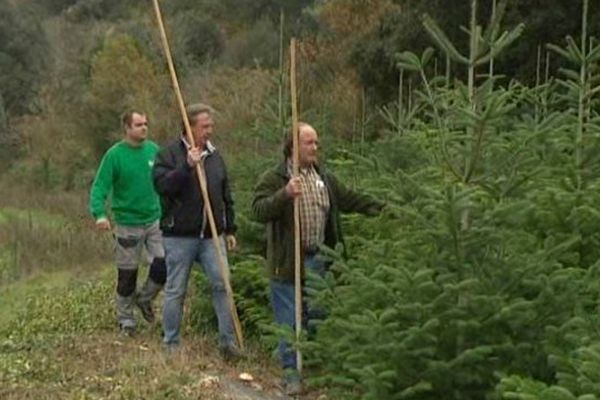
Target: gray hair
x=193 y=110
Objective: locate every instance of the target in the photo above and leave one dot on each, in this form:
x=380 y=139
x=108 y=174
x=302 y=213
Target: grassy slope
x=13 y=297
x=58 y=337
x=58 y=341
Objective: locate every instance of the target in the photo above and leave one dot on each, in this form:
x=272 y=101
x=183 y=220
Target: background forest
x=477 y=121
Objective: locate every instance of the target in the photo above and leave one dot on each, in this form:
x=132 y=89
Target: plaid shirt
x=314 y=207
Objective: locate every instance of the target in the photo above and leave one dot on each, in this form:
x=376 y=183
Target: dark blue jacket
x=181 y=199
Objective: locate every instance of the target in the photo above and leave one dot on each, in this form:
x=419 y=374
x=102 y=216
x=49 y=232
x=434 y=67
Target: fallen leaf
x=246 y=377
x=209 y=382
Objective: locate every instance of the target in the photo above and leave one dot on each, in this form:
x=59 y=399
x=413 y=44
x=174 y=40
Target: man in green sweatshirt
x=125 y=175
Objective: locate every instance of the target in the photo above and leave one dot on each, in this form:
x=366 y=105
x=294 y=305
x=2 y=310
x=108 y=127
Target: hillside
x=477 y=125
x=58 y=341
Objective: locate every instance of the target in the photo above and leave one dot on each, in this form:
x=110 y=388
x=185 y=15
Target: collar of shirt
x=303 y=171
x=206 y=152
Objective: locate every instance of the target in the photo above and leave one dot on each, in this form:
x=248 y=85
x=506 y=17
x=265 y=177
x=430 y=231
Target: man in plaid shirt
x=321 y=199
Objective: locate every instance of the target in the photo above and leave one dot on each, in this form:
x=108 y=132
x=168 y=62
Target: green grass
x=36 y=242
x=58 y=333
x=58 y=340
x=32 y=216
x=13 y=297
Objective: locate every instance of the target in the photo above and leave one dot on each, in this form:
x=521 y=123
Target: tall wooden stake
x=201 y=179
x=295 y=161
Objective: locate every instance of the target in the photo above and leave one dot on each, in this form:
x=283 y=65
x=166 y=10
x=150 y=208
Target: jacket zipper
x=204 y=213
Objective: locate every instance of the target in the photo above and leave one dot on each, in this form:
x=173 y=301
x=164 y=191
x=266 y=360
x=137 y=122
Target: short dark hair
x=127 y=117
x=288 y=143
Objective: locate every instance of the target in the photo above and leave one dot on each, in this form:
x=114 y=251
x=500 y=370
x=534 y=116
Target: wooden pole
x=201 y=180
x=297 y=256
x=280 y=108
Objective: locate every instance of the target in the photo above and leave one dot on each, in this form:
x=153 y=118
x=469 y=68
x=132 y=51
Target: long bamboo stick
x=297 y=259
x=280 y=102
x=201 y=179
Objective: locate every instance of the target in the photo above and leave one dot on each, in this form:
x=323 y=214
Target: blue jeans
x=180 y=254
x=283 y=301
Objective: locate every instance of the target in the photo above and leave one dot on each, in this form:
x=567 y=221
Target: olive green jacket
x=275 y=208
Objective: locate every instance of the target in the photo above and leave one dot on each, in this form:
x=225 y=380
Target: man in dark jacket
x=184 y=223
x=321 y=199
